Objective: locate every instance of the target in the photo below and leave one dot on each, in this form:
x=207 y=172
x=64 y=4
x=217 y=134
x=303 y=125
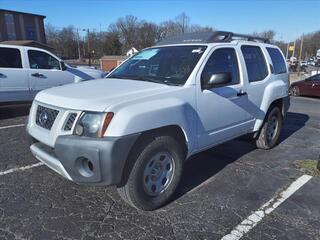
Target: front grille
x=45 y=117
x=69 y=124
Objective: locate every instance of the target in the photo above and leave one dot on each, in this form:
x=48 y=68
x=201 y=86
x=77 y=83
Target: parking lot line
x=12 y=170
x=250 y=222
x=12 y=126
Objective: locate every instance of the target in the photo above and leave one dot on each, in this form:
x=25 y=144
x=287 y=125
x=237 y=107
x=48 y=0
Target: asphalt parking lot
x=220 y=189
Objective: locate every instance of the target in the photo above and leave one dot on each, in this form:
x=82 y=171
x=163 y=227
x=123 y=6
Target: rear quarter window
x=255 y=62
x=10 y=58
x=278 y=62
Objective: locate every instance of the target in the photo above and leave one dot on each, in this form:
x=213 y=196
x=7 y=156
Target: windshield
x=167 y=65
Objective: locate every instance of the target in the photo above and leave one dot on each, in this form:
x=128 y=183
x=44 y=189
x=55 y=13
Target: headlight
x=92 y=124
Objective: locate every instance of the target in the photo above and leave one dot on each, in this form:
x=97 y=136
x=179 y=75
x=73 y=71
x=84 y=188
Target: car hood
x=98 y=95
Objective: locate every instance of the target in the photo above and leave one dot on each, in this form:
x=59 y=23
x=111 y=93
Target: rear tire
x=271 y=128
x=155 y=172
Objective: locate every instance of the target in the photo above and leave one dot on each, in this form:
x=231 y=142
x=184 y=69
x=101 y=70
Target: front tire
x=155 y=173
x=271 y=128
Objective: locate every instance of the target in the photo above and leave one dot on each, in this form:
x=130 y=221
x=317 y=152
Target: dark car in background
x=308 y=87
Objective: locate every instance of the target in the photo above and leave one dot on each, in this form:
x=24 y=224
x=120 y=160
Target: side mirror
x=216 y=80
x=63 y=66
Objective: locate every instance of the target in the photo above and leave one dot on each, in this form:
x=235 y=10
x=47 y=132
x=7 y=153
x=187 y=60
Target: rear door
x=14 y=84
x=45 y=71
x=258 y=76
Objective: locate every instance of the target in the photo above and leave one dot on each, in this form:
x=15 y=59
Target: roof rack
x=210 y=37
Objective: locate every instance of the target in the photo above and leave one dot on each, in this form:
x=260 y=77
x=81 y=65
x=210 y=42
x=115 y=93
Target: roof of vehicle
x=209 y=37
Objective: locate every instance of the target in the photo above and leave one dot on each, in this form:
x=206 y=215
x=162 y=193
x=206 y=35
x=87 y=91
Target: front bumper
x=87 y=160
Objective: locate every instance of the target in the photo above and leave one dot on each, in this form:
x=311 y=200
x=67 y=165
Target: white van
x=24 y=71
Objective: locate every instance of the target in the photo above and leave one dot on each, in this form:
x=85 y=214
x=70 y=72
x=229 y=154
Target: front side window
x=42 y=60
x=10 y=58
x=255 y=62
x=166 y=65
x=277 y=60
x=223 y=60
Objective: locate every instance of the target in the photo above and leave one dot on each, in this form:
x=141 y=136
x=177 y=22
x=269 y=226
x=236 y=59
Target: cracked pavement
x=219 y=189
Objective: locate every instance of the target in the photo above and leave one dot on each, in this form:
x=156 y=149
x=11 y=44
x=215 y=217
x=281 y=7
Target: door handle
x=241 y=93
x=2 y=75
x=39 y=75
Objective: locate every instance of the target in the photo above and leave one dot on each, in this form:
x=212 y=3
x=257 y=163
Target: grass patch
x=308 y=167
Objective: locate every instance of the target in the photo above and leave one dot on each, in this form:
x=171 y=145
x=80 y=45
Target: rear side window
x=10 y=58
x=255 y=62
x=278 y=63
x=223 y=60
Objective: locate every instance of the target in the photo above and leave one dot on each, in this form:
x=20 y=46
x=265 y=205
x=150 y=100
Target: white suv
x=136 y=128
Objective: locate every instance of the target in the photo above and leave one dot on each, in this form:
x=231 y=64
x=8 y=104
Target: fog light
x=85 y=166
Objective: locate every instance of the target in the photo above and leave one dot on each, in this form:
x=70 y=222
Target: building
x=21 y=26
x=107 y=63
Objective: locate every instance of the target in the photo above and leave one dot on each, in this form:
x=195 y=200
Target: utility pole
x=78 y=40
x=294 y=48
x=287 y=51
x=300 y=53
x=89 y=51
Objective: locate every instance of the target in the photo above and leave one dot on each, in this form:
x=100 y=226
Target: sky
x=289 y=18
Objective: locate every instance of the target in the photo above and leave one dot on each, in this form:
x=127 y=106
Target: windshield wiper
x=118 y=76
x=145 y=78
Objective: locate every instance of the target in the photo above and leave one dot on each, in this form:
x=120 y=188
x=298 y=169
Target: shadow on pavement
x=205 y=165
x=292 y=123
x=14 y=111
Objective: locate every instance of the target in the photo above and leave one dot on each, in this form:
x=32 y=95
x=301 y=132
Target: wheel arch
x=174 y=131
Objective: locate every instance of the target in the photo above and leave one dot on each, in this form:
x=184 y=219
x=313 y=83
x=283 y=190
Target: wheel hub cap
x=158 y=173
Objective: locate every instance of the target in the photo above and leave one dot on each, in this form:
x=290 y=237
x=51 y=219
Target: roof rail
x=209 y=37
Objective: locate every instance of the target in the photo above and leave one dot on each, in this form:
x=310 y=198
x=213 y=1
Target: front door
x=45 y=71
x=14 y=84
x=222 y=109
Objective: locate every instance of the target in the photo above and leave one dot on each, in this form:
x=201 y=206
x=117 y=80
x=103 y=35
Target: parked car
x=307 y=87
x=24 y=71
x=136 y=128
x=303 y=64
